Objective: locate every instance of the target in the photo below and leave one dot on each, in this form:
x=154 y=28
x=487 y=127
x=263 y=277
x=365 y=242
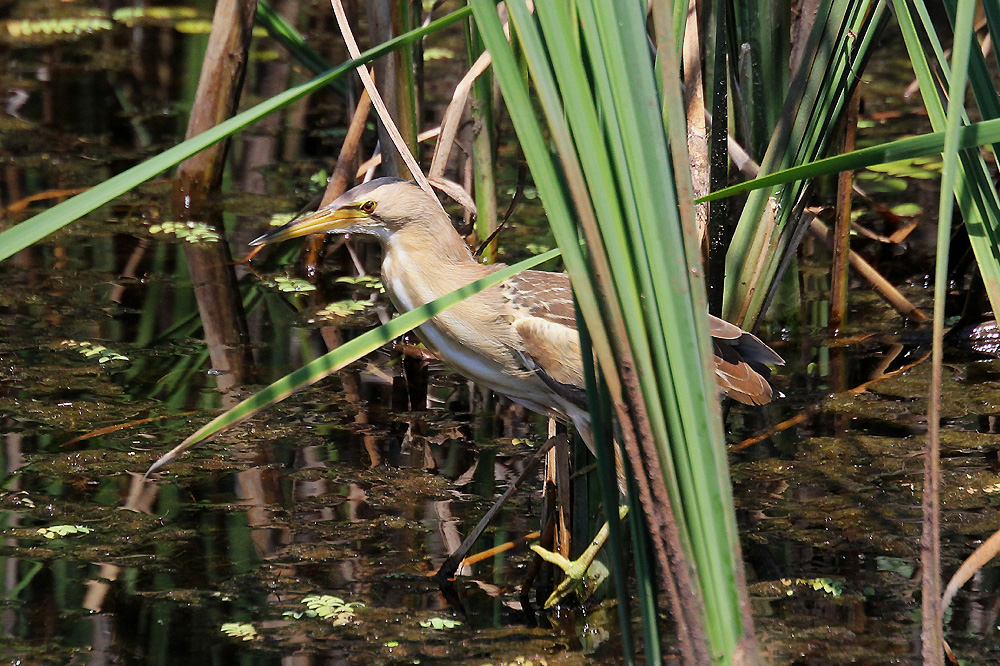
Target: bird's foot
x=576 y=571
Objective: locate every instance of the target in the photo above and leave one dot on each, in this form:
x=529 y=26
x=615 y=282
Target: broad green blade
x=610 y=159
x=969 y=136
x=343 y=355
x=837 y=49
x=974 y=189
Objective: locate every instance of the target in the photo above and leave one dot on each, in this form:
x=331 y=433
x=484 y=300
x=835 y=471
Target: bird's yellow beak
x=332 y=218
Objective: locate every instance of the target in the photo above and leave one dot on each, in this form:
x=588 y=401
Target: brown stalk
x=121 y=426
x=395 y=73
x=841 y=240
x=22 y=203
x=883 y=287
x=380 y=107
x=199 y=176
x=986 y=552
x=931 y=633
x=452 y=116
x=376 y=159
x=340 y=178
x=697 y=138
x=490 y=553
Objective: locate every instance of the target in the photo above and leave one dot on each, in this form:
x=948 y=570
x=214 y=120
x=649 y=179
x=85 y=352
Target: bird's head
x=377 y=208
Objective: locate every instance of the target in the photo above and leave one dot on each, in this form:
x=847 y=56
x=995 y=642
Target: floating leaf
x=132 y=15
x=440 y=623
x=327 y=607
x=204 y=27
x=294 y=285
x=320 y=178
x=907 y=209
x=56 y=531
x=280 y=219
x=831 y=587
x=192 y=232
x=369 y=281
x=343 y=308
x=438 y=53
x=89 y=350
x=903 y=567
x=243 y=631
x=63 y=26
x=888 y=185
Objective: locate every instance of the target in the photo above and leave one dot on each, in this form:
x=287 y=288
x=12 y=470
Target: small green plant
x=290 y=284
x=239 y=630
x=280 y=219
x=831 y=587
x=327 y=607
x=192 y=232
x=519 y=661
x=440 y=623
x=62 y=26
x=369 y=281
x=438 y=53
x=58 y=531
x=343 y=308
x=130 y=16
x=90 y=350
x=319 y=178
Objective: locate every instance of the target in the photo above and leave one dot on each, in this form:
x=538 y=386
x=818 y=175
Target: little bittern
x=519 y=338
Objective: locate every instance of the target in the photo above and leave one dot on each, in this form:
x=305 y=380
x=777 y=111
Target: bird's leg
x=575 y=571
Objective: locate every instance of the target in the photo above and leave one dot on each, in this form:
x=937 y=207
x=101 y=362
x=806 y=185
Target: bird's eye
x=368 y=207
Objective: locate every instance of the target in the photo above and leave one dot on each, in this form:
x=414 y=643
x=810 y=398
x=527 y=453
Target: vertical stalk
x=932 y=633
x=199 y=176
x=483 y=148
x=842 y=228
x=719 y=226
x=395 y=75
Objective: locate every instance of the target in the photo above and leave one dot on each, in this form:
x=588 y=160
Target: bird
x=519 y=338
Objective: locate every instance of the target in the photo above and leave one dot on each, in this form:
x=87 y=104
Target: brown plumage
x=518 y=338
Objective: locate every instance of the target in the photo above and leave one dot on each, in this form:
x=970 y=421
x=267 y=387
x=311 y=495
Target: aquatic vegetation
x=241 y=630
x=192 y=232
x=58 y=531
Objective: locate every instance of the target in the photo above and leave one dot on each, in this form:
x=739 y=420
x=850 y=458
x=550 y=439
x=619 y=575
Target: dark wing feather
x=546 y=321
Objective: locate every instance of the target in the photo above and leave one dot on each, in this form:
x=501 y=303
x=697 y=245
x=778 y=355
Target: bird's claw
x=574 y=573
x=576 y=570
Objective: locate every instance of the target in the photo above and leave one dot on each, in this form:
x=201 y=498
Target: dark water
x=351 y=490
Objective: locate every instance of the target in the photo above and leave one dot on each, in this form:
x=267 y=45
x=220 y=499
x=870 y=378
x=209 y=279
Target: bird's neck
x=425 y=261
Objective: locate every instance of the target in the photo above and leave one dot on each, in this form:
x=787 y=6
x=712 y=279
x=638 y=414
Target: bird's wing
x=740 y=359
x=542 y=313
x=738 y=379
x=749 y=347
x=543 y=294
